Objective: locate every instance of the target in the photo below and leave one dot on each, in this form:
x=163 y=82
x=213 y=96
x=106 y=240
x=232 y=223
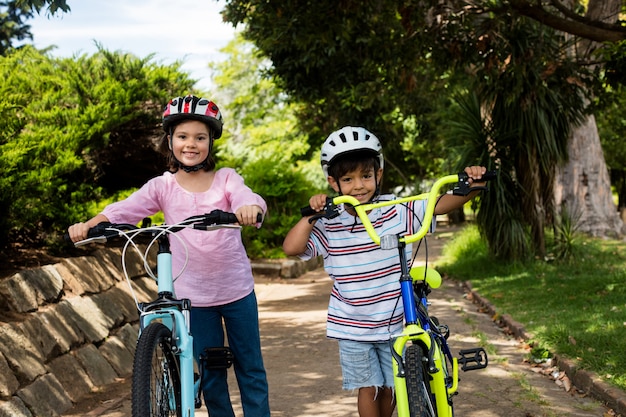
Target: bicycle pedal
x=217 y=358
x=472 y=359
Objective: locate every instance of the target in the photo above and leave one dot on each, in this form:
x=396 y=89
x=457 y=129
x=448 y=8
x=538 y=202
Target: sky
x=190 y=31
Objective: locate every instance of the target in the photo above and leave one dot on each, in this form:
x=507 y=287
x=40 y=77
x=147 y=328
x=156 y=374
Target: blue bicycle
x=166 y=378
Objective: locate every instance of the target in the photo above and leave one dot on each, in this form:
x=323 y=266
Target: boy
x=364 y=310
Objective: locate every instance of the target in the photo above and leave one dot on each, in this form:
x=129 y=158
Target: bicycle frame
x=419 y=329
x=166 y=310
x=174 y=314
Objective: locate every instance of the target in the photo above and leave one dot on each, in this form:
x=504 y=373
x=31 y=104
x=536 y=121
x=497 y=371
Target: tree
x=524 y=108
x=565 y=16
x=584 y=187
x=51 y=6
x=353 y=65
x=371 y=60
x=12 y=25
x=262 y=139
x=15 y=13
x=612 y=130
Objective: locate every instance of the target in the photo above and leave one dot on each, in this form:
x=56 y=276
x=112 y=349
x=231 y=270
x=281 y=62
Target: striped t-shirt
x=365 y=303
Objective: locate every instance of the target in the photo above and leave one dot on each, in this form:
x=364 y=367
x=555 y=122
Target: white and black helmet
x=349 y=139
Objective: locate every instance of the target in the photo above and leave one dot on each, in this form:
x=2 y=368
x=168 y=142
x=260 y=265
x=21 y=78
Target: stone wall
x=71 y=327
x=66 y=329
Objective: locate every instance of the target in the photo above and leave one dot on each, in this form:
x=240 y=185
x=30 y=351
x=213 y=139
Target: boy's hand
x=318 y=201
x=475 y=173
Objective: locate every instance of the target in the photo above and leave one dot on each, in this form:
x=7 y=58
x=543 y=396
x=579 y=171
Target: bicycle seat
x=433 y=278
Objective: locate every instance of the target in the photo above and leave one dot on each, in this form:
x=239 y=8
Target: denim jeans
x=241 y=322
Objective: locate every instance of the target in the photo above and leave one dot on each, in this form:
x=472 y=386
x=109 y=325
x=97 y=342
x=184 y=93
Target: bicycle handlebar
x=106 y=231
x=462 y=188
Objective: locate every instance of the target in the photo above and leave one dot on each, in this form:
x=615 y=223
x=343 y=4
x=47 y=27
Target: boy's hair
x=352 y=161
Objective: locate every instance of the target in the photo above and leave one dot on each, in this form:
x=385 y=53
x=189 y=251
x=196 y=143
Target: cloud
x=189 y=31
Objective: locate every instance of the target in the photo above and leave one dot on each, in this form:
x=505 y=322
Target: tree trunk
x=583 y=185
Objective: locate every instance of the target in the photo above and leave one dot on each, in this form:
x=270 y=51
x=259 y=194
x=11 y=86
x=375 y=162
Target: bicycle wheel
x=156 y=375
x=417 y=383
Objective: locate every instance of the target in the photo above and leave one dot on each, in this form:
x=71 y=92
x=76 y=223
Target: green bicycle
x=426 y=375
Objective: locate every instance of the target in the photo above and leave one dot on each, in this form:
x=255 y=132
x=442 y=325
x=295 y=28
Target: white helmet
x=349 y=139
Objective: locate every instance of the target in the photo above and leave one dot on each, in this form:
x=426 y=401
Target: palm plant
x=525 y=104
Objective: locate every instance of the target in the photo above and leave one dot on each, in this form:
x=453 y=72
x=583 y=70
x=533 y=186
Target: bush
x=75 y=131
x=286 y=189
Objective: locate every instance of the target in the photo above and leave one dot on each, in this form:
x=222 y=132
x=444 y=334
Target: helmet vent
x=342 y=136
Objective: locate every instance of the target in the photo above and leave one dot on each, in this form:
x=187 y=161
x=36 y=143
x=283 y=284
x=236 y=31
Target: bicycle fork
x=184 y=350
x=442 y=386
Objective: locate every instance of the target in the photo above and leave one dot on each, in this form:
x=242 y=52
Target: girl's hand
x=318 y=201
x=78 y=231
x=247 y=215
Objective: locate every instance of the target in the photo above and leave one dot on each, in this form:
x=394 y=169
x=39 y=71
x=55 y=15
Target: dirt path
x=305 y=378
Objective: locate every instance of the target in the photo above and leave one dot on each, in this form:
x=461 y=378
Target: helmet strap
x=193 y=168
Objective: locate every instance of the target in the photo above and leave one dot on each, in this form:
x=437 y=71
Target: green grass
x=574 y=308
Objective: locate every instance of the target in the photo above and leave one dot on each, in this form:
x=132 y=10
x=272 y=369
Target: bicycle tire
x=156 y=375
x=418 y=383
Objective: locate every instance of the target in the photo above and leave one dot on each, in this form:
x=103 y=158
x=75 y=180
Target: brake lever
x=463 y=187
x=330 y=211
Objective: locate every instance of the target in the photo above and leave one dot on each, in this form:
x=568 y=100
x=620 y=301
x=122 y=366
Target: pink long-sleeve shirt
x=218 y=270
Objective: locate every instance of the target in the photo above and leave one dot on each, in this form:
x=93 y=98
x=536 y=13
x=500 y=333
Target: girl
x=218 y=277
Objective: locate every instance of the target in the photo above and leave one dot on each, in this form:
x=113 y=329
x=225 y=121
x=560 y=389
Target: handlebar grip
x=226 y=218
x=101 y=233
x=490 y=175
x=259 y=218
x=222 y=217
x=307 y=211
x=98 y=230
x=330 y=211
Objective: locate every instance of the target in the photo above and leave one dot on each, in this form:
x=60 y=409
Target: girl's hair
x=172 y=163
x=352 y=161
